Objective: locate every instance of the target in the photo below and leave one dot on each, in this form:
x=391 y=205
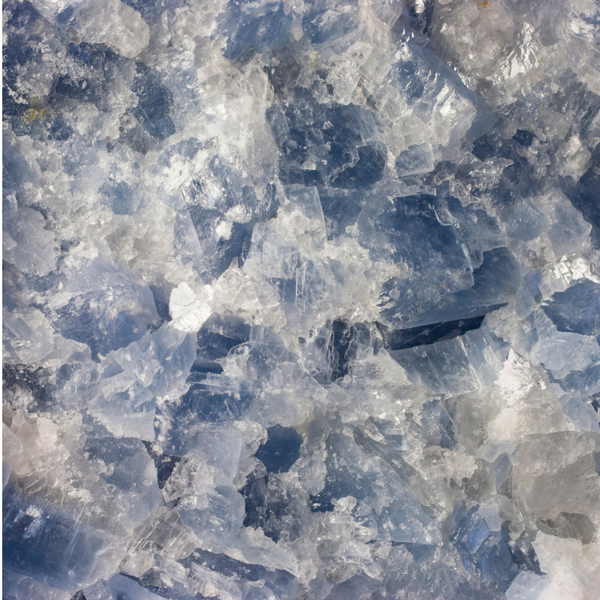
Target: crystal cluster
x=301 y=299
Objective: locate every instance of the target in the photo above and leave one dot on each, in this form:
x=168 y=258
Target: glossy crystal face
x=301 y=300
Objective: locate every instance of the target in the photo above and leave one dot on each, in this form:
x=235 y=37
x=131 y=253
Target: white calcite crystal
x=301 y=300
x=187 y=312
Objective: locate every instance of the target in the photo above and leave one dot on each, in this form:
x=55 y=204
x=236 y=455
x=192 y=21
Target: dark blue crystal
x=577 y=309
x=154 y=103
x=281 y=450
x=45 y=545
x=484 y=553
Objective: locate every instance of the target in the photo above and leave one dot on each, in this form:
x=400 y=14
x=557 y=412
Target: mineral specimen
x=301 y=299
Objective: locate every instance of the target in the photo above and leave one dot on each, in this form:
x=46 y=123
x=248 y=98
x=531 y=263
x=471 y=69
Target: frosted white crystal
x=527 y=586
x=114 y=23
x=187 y=311
x=28 y=336
x=29 y=246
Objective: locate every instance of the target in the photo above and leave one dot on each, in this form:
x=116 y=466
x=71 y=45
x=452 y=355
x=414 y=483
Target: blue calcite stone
x=301 y=300
x=577 y=309
x=482 y=550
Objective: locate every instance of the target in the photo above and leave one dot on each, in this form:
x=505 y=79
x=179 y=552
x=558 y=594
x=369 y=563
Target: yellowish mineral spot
x=35 y=110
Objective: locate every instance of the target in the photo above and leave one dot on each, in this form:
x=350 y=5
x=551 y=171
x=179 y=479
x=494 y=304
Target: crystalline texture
x=301 y=299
